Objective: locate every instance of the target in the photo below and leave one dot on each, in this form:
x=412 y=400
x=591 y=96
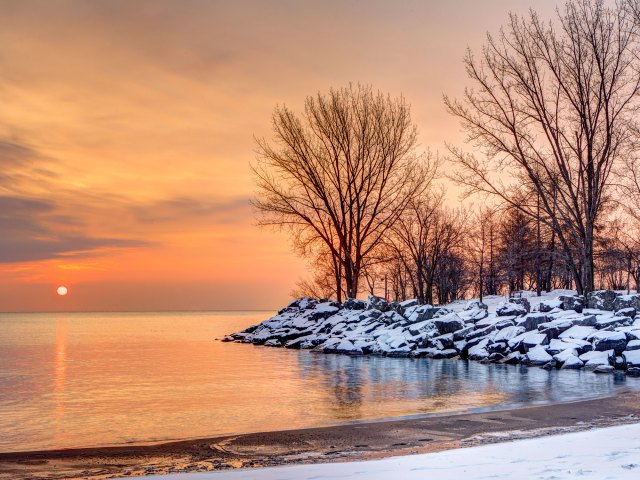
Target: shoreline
x=345 y=442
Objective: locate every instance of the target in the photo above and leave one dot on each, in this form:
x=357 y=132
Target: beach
x=344 y=443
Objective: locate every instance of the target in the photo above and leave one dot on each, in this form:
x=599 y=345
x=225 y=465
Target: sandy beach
x=320 y=445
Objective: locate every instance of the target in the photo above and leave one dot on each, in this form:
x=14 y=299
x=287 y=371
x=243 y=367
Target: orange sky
x=127 y=128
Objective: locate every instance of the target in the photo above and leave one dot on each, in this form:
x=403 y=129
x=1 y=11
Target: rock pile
x=601 y=332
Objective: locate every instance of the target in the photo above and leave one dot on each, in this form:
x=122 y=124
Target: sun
x=62 y=290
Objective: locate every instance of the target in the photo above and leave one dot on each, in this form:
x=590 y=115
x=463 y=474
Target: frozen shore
x=612 y=453
x=556 y=330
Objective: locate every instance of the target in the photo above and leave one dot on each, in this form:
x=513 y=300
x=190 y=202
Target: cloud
x=216 y=211
x=14 y=153
x=31 y=231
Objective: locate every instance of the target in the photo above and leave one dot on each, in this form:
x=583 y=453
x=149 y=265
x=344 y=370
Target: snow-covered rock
x=478 y=331
x=511 y=309
x=538 y=356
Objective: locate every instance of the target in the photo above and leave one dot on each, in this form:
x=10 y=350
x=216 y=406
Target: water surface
x=92 y=379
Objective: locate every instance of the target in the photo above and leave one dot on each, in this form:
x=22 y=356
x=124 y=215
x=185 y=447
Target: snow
x=578 y=332
x=612 y=452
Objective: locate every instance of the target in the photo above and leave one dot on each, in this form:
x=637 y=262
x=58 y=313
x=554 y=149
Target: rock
x=594 y=358
x=602 y=300
x=552 y=365
x=513 y=358
x=478 y=352
x=508 y=333
x=572 y=302
x=354 y=304
x=378 y=303
x=510 y=308
x=627 y=301
x=421 y=313
x=605 y=321
x=633 y=372
x=534 y=339
x=462 y=333
x=604 y=369
x=521 y=301
x=565 y=354
x=475 y=305
x=628 y=312
x=633 y=345
x=442 y=342
x=531 y=321
x=554 y=328
x=441 y=312
x=619 y=363
x=448 y=353
x=549 y=305
x=274 y=342
x=603 y=341
x=577 y=331
x=572 y=363
x=495 y=357
x=228 y=338
x=538 y=356
x=631 y=358
x=449 y=323
x=498 y=347
x=409 y=303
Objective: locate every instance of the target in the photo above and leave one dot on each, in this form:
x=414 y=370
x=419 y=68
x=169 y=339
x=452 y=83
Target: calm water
x=71 y=380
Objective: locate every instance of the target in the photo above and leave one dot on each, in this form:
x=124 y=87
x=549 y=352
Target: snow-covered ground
x=606 y=453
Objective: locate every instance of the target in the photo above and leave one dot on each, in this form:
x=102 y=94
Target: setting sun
x=62 y=291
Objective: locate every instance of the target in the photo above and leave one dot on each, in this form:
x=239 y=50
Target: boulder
x=449 y=323
x=534 y=339
x=510 y=309
x=577 y=331
x=508 y=333
x=572 y=363
x=627 y=301
x=602 y=300
x=377 y=303
x=448 y=353
x=549 y=305
x=633 y=345
x=513 y=358
x=409 y=303
x=538 y=356
x=354 y=304
x=554 y=328
x=633 y=372
x=531 y=321
x=572 y=302
x=604 y=340
x=594 y=358
x=631 y=358
x=521 y=301
x=605 y=321
x=475 y=305
x=628 y=312
x=498 y=347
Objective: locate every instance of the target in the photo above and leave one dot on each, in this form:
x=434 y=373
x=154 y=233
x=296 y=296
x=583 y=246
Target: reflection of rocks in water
x=367 y=387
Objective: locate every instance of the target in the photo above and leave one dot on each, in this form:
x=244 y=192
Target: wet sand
x=326 y=444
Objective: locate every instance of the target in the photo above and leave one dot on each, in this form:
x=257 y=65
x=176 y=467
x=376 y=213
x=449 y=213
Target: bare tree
x=339 y=175
x=552 y=111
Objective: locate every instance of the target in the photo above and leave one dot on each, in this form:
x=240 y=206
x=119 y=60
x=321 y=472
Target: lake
x=94 y=379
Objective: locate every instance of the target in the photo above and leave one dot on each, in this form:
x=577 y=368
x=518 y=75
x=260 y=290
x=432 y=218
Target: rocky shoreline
x=559 y=330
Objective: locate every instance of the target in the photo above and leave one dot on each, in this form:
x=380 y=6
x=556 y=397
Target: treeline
x=552 y=133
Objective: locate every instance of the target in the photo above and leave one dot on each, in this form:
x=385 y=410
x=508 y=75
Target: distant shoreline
x=360 y=441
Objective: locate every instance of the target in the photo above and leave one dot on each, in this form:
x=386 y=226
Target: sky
x=127 y=130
